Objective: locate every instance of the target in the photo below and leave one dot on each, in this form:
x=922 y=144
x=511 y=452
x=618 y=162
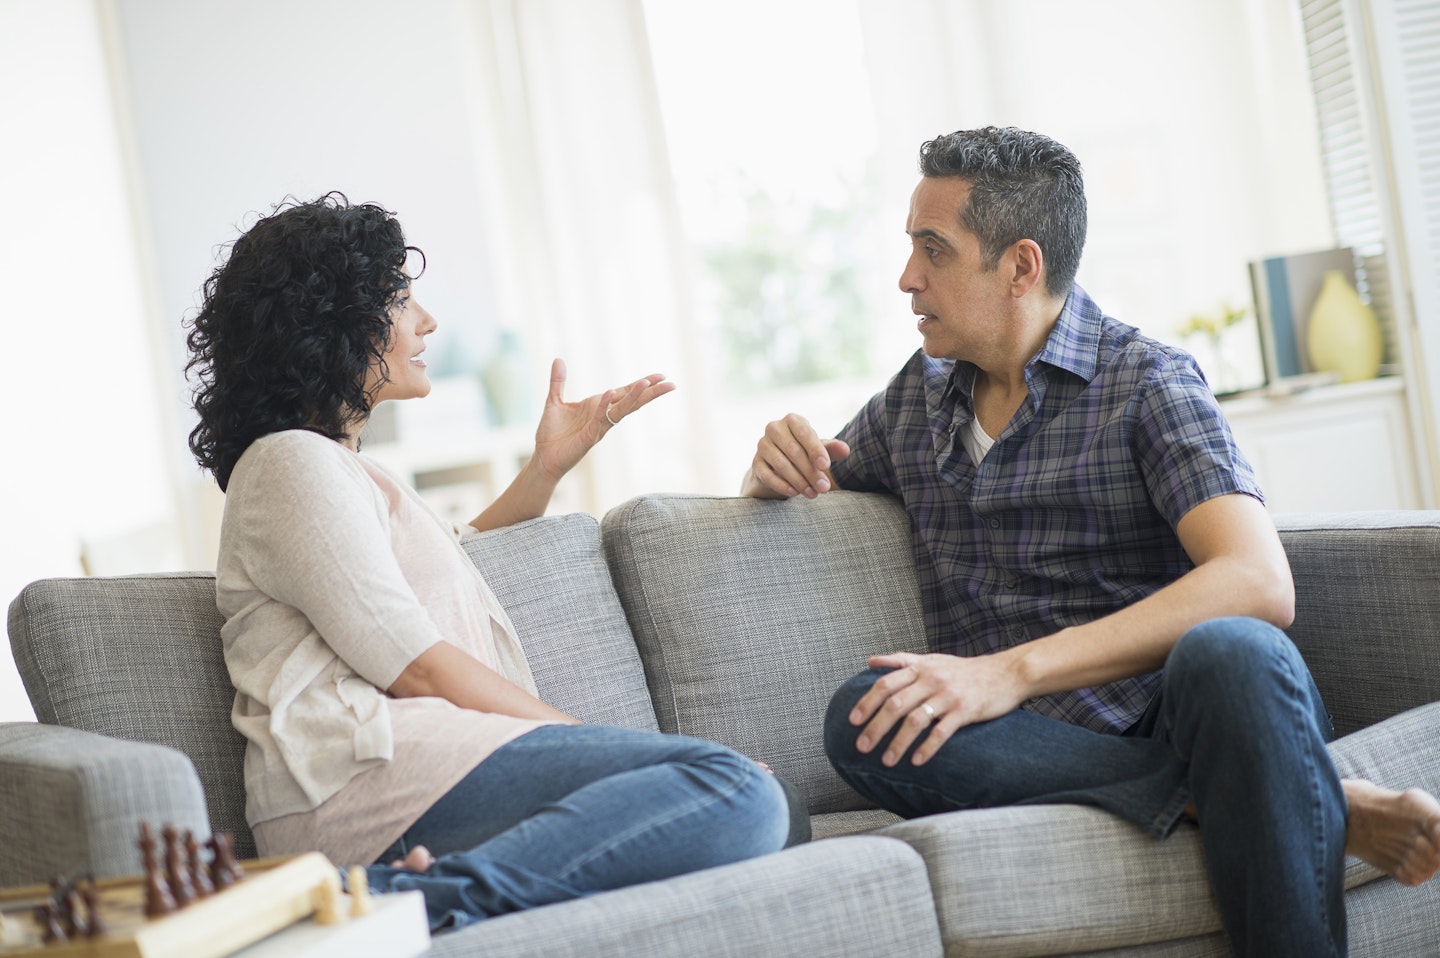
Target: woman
x=387 y=705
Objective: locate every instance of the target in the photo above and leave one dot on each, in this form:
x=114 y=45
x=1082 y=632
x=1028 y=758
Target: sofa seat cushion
x=835 y=824
x=750 y=613
x=1082 y=880
x=550 y=576
x=845 y=898
x=1103 y=883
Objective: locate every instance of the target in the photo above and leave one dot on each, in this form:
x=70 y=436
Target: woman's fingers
x=628 y=399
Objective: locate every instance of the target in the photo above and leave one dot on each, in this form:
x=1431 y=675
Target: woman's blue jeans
x=570 y=810
x=1237 y=728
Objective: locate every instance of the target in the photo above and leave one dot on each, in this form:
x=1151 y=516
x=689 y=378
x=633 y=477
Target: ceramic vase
x=503 y=380
x=1344 y=335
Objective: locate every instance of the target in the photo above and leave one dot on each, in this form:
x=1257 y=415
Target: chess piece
x=63 y=905
x=158 y=900
x=94 y=921
x=195 y=869
x=224 y=869
x=175 y=872
x=50 y=929
x=360 y=901
x=73 y=921
x=327 y=903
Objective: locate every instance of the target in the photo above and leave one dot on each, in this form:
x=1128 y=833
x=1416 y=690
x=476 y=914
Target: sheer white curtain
x=583 y=223
x=1194 y=123
x=82 y=461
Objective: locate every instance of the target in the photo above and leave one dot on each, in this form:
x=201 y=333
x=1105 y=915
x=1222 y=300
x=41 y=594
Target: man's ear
x=1027 y=263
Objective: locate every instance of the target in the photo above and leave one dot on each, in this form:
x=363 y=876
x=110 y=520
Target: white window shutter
x=1375 y=72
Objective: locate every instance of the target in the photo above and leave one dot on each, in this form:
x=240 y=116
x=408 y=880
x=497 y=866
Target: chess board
x=275 y=893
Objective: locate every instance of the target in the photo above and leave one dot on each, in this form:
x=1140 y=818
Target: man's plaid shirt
x=1071 y=515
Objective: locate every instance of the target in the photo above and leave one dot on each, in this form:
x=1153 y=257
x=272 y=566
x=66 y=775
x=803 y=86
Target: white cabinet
x=1333 y=448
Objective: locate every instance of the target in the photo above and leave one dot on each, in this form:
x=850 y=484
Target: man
x=1104 y=591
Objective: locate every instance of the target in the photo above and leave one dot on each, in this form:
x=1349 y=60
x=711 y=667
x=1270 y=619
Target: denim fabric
x=571 y=810
x=1237 y=728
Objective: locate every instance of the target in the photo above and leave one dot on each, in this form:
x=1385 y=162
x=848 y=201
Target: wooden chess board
x=275 y=893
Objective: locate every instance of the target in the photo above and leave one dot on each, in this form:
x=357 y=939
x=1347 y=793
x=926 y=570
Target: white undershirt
x=977 y=441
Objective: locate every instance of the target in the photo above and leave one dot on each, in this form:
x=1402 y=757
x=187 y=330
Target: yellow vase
x=1344 y=335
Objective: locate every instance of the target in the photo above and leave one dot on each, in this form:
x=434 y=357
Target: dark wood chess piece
x=50 y=929
x=158 y=900
x=75 y=923
x=224 y=869
x=63 y=905
x=195 y=868
x=94 y=922
x=175 y=871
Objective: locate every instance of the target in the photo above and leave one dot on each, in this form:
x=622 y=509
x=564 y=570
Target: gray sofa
x=734 y=619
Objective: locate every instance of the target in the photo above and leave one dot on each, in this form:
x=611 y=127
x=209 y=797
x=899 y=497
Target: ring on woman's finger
x=613 y=422
x=928 y=709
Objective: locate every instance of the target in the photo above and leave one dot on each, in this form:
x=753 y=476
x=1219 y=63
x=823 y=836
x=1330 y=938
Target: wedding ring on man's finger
x=928 y=709
x=613 y=422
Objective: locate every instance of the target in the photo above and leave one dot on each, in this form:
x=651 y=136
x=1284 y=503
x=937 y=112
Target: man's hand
x=937 y=692
x=791 y=460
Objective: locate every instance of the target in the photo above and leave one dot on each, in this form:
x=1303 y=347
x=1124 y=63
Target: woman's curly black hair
x=291 y=323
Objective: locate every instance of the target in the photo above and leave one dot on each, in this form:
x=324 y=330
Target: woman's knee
x=756 y=811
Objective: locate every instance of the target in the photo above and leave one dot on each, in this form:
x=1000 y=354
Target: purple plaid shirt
x=1072 y=513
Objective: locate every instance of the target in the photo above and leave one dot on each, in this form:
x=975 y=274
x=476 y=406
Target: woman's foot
x=1397 y=832
x=418 y=860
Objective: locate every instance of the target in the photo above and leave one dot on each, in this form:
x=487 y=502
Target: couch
x=734 y=619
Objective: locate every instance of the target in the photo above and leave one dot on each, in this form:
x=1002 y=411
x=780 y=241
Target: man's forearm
x=1251 y=581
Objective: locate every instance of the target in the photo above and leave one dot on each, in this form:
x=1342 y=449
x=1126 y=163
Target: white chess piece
x=327 y=903
x=360 y=900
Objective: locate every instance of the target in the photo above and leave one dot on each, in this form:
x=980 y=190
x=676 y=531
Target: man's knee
x=1244 y=664
x=1230 y=649
x=840 y=734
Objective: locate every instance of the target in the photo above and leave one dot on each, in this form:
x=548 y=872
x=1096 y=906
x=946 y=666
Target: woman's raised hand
x=568 y=430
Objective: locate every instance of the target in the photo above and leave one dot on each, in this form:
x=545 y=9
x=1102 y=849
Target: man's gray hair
x=1022 y=186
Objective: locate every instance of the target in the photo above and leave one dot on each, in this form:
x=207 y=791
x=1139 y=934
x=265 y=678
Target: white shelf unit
x=1331 y=449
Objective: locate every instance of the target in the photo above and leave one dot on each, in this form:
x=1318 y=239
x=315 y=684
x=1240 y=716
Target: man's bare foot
x=419 y=859
x=1397 y=832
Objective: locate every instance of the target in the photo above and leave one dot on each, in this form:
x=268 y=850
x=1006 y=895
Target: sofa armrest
x=1367 y=610
x=73 y=801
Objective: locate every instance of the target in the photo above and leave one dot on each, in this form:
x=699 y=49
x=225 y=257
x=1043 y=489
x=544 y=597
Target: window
x=792 y=127
x=769 y=123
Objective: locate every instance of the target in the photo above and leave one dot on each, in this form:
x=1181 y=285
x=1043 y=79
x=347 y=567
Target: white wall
x=237 y=106
x=83 y=445
x=1193 y=121
x=145 y=134
x=142 y=134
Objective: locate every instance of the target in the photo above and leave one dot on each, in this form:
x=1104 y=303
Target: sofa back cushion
x=750 y=613
x=139 y=657
x=550 y=576
x=1367 y=610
